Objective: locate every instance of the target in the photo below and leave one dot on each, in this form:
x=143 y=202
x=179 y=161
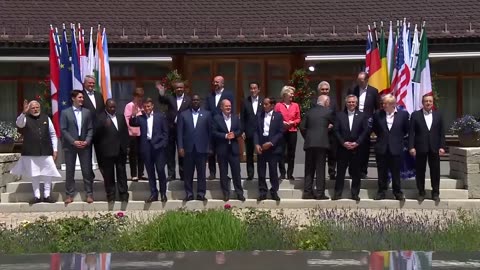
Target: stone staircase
x=453 y=195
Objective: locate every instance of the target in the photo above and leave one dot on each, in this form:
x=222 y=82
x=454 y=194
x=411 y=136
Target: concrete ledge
x=212 y=204
x=465 y=165
x=7 y=161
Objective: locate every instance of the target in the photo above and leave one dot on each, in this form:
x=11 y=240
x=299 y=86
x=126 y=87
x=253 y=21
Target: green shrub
x=314 y=237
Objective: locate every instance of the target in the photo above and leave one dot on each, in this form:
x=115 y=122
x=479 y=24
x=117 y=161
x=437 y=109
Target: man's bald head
x=218 y=83
x=323 y=100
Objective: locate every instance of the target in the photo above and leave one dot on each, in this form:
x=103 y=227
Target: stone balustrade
x=465 y=165
x=7 y=161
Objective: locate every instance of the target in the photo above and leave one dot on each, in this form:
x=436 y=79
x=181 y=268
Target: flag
x=106 y=82
x=54 y=80
x=368 y=51
x=376 y=77
x=390 y=54
x=76 y=70
x=401 y=85
x=65 y=74
x=422 y=76
x=91 y=59
x=82 y=53
x=98 y=50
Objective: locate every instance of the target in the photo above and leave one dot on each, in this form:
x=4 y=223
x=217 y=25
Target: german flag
x=378 y=66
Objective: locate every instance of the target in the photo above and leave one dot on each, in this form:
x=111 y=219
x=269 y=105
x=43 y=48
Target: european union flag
x=64 y=100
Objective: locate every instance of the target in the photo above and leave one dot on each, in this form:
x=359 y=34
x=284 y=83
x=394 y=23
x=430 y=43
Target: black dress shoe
x=249 y=178
x=211 y=177
x=241 y=198
x=363 y=176
x=170 y=178
x=332 y=177
x=49 y=200
x=436 y=198
x=321 y=197
x=201 y=198
x=35 y=200
x=275 y=197
x=163 y=198
x=188 y=198
x=282 y=176
x=152 y=199
x=421 y=197
x=336 y=197
x=262 y=197
x=400 y=197
x=380 y=196
x=290 y=177
x=308 y=196
x=226 y=198
x=356 y=198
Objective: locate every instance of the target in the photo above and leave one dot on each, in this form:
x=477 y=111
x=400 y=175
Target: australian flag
x=64 y=100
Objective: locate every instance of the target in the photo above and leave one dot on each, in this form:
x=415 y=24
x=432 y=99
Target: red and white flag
x=54 y=79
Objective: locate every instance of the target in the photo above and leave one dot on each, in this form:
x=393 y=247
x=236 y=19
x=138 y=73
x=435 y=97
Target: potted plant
x=8 y=136
x=468 y=130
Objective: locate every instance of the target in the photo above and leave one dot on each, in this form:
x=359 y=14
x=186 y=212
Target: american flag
x=401 y=84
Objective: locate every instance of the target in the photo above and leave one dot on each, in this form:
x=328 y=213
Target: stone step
x=268 y=204
x=177 y=185
x=217 y=194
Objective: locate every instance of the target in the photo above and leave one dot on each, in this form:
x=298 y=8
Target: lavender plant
x=8 y=133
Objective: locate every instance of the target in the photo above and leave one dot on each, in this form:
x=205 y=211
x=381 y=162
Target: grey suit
x=314 y=128
x=69 y=130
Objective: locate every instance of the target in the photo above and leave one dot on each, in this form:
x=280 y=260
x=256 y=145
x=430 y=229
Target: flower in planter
x=227 y=206
x=8 y=133
x=465 y=125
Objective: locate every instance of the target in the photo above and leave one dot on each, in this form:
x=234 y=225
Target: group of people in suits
x=207 y=134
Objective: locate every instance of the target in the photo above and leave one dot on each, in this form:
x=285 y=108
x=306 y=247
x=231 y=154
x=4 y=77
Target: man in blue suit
x=268 y=143
x=226 y=130
x=153 y=144
x=390 y=126
x=213 y=106
x=193 y=140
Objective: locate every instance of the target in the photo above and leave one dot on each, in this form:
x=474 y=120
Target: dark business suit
x=172 y=116
x=113 y=144
x=314 y=129
x=332 y=139
x=427 y=143
x=271 y=156
x=195 y=140
x=228 y=152
x=372 y=104
x=389 y=148
x=349 y=158
x=96 y=110
x=153 y=149
x=69 y=130
x=249 y=126
x=214 y=110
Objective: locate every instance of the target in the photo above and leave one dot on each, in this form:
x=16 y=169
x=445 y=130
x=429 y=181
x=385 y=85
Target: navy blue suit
x=153 y=150
x=195 y=140
x=228 y=152
x=214 y=110
x=272 y=155
x=389 y=148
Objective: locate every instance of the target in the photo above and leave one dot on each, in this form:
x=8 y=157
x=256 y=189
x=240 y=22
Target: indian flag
x=422 y=77
x=102 y=65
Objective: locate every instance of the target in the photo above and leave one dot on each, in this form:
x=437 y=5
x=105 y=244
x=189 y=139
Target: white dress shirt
x=218 y=95
x=428 y=118
x=266 y=123
x=255 y=104
x=361 y=98
x=179 y=102
x=195 y=117
x=390 y=117
x=149 y=126
x=78 y=116
x=91 y=96
x=228 y=121
x=350 y=119
x=114 y=120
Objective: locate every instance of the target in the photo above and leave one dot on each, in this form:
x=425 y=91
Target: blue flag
x=64 y=100
x=76 y=79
